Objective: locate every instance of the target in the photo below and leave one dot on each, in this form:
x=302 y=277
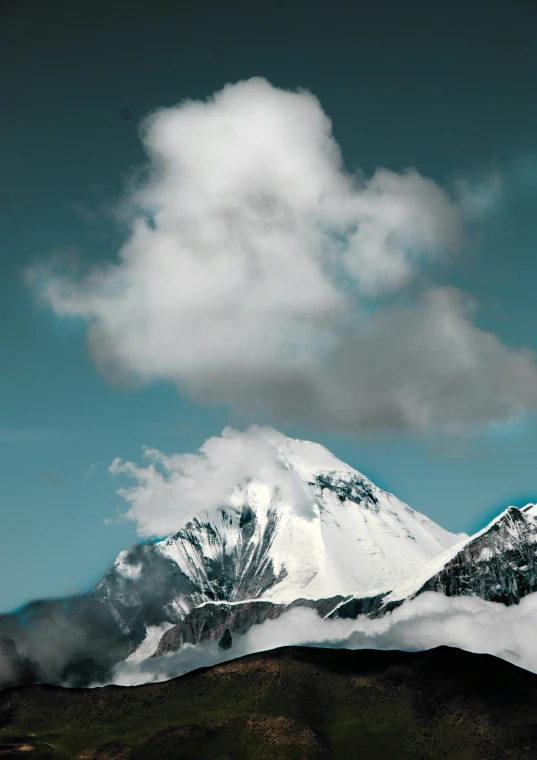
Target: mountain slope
x=216 y=621
x=498 y=564
x=333 y=535
x=354 y=538
x=292 y=703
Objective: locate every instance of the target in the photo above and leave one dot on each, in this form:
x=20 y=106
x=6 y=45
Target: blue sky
x=449 y=90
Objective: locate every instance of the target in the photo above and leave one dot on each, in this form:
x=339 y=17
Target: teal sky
x=447 y=87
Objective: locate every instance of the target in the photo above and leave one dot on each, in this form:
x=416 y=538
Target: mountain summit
x=328 y=531
x=356 y=538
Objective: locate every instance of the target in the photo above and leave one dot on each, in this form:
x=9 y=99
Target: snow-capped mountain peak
x=303 y=529
x=353 y=537
x=308 y=459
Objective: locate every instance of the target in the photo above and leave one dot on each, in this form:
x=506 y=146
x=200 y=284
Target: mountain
x=290 y=704
x=356 y=538
x=498 y=564
x=341 y=536
x=310 y=532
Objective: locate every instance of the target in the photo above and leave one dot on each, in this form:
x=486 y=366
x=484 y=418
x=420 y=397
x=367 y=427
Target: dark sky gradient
x=447 y=87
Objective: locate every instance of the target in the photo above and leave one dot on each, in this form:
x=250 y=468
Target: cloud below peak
x=252 y=262
x=430 y=620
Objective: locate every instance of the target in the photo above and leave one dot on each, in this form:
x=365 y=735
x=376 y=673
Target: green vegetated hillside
x=289 y=703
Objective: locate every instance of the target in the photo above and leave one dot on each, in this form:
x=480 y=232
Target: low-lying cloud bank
x=73 y=641
x=79 y=648
x=426 y=622
x=258 y=272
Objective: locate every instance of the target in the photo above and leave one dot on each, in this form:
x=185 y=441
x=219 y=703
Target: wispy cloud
x=85 y=213
x=90 y=470
x=479 y=195
x=170 y=490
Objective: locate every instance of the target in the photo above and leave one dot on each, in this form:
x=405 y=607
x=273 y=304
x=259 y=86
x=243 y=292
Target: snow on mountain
x=498 y=564
x=332 y=534
x=357 y=538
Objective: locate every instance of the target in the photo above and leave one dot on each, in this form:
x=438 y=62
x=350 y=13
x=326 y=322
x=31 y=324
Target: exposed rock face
x=357 y=490
x=152 y=584
x=353 y=607
x=144 y=588
x=499 y=565
x=228 y=557
x=226 y=642
x=211 y=621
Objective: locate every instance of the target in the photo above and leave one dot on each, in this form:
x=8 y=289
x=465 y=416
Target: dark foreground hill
x=289 y=703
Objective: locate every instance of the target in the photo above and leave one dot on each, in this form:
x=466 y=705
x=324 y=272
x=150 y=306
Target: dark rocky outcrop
x=210 y=621
x=355 y=489
x=243 y=571
x=355 y=606
x=226 y=642
x=498 y=565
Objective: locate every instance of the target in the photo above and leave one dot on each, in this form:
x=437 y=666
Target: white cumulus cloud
x=253 y=262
